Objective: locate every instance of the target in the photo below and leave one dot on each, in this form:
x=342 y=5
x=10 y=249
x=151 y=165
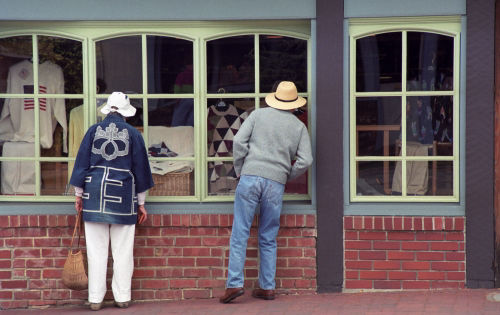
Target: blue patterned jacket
x=112 y=167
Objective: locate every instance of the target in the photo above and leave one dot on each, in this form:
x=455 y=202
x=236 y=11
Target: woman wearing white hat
x=111 y=176
x=263 y=150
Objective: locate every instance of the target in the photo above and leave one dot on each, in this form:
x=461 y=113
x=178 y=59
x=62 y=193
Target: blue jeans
x=252 y=191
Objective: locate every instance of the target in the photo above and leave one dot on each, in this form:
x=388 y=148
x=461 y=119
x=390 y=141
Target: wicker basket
x=173 y=184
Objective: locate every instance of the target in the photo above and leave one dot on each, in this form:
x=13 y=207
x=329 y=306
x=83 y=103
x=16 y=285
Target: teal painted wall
x=161 y=10
x=382 y=8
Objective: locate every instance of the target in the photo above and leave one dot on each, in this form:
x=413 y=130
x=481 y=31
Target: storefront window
x=192 y=92
x=404 y=143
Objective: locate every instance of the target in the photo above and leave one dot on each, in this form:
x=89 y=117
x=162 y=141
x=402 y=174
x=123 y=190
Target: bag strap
x=78 y=227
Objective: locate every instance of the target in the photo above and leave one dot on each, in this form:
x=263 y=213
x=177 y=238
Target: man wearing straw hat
x=111 y=176
x=263 y=150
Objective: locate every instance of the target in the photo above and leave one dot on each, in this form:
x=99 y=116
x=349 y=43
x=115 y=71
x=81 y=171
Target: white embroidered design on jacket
x=111 y=135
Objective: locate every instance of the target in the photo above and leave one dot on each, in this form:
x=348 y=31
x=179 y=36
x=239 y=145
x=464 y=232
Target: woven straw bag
x=73 y=275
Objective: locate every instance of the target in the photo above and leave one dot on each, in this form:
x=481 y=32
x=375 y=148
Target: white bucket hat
x=119 y=102
x=286 y=97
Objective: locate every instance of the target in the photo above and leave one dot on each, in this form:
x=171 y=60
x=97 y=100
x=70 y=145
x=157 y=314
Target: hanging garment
x=223 y=124
x=17 y=119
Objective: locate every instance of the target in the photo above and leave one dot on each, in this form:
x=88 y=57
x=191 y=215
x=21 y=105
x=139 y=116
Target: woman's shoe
x=122 y=304
x=95 y=306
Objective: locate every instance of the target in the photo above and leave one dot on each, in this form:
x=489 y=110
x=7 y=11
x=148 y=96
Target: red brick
x=5 y=274
x=460 y=276
x=4 y=221
x=19 y=242
x=386 y=265
x=388 y=223
x=358 y=264
x=352 y=274
x=211 y=283
x=196 y=294
x=348 y=223
x=34 y=273
x=47 y=242
x=144 y=273
x=416 y=265
x=430 y=236
x=428 y=224
x=423 y=256
x=378 y=223
x=209 y=262
x=160 y=241
x=414 y=245
x=309 y=252
x=351 y=235
x=310 y=221
x=448 y=224
x=455 y=256
x=149 y=262
x=203 y=232
x=54 y=252
x=39 y=263
x=387 y=285
x=215 y=241
x=418 y=223
x=350 y=254
x=402 y=275
x=444 y=246
x=447 y=285
x=358 y=223
x=52 y=273
x=289 y=273
x=174 y=231
x=386 y=245
x=168 y=273
x=184 y=262
x=431 y=275
x=455 y=236
x=413 y=285
x=372 y=255
x=27 y=295
x=401 y=236
x=357 y=245
x=187 y=241
x=366 y=274
x=408 y=224
x=368 y=223
x=438 y=223
x=196 y=251
x=183 y=283
x=6 y=295
x=398 y=223
x=13 y=304
x=358 y=284
x=5 y=254
x=14 y=284
x=301 y=262
x=445 y=266
x=290 y=252
x=302 y=242
x=154 y=284
x=459 y=224
x=5 y=264
x=372 y=235
x=397 y=255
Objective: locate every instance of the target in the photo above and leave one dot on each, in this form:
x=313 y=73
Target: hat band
x=279 y=99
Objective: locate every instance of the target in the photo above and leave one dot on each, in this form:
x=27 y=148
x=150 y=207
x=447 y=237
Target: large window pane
x=222 y=178
x=54 y=178
x=170 y=65
x=17 y=177
x=430 y=62
x=119 y=64
x=230 y=64
x=171 y=112
x=282 y=59
x=61 y=68
x=373 y=178
x=378 y=63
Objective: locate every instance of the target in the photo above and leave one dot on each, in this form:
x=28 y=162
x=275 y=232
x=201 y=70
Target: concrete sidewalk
x=473 y=302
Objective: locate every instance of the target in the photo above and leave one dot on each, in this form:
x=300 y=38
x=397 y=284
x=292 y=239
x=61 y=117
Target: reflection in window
x=430 y=62
x=282 y=59
x=119 y=64
x=13 y=51
x=170 y=65
x=230 y=64
x=378 y=63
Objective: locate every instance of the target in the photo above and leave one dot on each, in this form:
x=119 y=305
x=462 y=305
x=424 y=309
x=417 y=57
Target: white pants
x=122 y=247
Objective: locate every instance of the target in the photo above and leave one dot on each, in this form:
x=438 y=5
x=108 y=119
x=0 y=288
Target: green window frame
x=199 y=33
x=360 y=28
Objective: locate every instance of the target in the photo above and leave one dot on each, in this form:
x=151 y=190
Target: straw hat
x=119 y=102
x=286 y=97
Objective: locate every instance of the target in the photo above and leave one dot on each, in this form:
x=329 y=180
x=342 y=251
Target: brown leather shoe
x=230 y=294
x=263 y=294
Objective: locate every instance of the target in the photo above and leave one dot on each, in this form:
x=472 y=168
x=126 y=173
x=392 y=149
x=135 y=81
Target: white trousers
x=97 y=237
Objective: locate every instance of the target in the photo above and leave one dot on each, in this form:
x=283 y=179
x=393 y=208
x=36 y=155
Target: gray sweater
x=268 y=141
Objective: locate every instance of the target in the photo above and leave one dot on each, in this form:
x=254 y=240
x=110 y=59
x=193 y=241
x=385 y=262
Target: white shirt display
x=17 y=119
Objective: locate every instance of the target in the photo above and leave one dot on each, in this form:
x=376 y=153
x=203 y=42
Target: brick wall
x=404 y=252
x=176 y=257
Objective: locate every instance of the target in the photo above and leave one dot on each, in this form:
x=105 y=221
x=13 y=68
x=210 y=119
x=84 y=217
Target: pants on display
x=97 y=236
x=252 y=191
x=417 y=173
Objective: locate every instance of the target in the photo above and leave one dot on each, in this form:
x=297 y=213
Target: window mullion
x=36 y=111
x=145 y=111
x=403 y=113
x=257 y=70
